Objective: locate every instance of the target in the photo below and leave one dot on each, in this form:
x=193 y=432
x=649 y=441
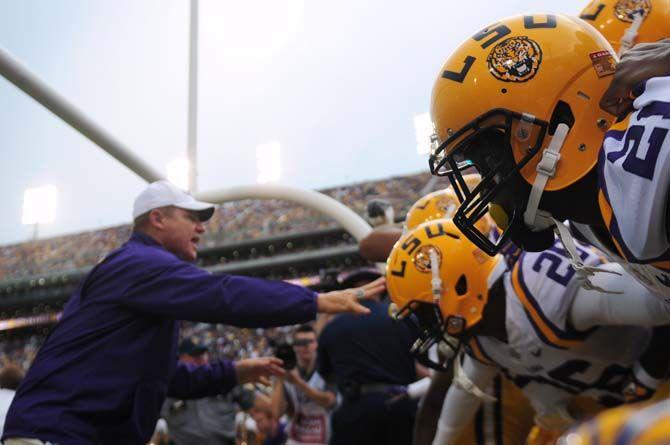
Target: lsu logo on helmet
x=516 y=59
x=625 y=10
x=422 y=260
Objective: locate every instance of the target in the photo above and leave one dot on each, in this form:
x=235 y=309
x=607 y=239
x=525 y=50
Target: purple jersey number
x=643 y=167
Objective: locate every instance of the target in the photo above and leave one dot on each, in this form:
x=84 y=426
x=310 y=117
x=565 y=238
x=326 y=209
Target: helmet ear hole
x=562 y=114
x=462 y=285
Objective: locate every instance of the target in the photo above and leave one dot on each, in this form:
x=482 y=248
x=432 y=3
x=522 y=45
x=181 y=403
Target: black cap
x=188 y=347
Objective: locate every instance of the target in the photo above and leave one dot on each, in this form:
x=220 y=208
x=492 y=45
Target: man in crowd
x=303 y=391
x=209 y=420
x=105 y=370
x=368 y=357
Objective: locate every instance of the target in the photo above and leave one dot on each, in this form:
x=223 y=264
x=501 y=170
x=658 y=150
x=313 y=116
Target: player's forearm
x=377 y=245
x=458 y=409
x=635 y=305
x=460 y=405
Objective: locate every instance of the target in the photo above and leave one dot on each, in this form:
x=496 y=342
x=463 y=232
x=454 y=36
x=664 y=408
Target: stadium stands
x=232 y=223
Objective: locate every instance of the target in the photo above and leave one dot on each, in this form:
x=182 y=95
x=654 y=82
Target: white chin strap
x=462 y=381
x=436 y=281
x=629 y=36
x=537 y=219
x=546 y=169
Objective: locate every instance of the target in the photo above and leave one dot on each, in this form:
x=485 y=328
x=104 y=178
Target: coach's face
x=181 y=233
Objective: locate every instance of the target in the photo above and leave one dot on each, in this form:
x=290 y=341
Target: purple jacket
x=103 y=373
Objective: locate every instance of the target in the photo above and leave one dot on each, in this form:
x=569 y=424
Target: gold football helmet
x=435 y=205
x=518 y=101
x=627 y=22
x=437 y=275
x=442 y=204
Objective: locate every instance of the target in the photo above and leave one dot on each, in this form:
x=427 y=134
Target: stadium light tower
x=268 y=163
x=423 y=128
x=192 y=137
x=39 y=206
x=178 y=172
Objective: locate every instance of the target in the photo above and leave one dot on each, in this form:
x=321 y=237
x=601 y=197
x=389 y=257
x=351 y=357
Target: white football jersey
x=544 y=356
x=634 y=180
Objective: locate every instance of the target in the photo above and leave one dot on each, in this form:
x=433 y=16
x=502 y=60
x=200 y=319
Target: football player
x=535 y=324
x=519 y=102
x=625 y=23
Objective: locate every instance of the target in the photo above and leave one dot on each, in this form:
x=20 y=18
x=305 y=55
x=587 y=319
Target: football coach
x=103 y=373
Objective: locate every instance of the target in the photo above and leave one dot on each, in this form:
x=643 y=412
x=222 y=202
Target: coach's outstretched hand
x=347 y=300
x=640 y=63
x=258 y=370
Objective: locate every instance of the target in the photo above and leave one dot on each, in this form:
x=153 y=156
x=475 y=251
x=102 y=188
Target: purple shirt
x=105 y=370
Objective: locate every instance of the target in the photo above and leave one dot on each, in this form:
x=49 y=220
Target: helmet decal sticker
x=516 y=59
x=422 y=258
x=603 y=62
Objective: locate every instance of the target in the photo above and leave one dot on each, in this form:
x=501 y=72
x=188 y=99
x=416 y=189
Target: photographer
x=302 y=393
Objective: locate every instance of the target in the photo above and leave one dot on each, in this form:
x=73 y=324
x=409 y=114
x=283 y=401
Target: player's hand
x=347 y=300
x=638 y=64
x=258 y=370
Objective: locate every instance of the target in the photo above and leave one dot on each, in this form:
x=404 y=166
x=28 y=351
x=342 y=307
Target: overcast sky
x=336 y=83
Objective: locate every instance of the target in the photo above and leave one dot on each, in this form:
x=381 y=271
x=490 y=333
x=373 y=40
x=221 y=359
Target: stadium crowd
x=232 y=222
x=223 y=342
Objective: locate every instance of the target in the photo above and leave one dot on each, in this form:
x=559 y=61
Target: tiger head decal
x=422 y=258
x=516 y=59
x=625 y=10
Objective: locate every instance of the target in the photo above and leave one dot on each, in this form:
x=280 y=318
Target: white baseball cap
x=164 y=193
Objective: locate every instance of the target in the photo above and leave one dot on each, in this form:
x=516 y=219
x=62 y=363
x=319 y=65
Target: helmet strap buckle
x=546 y=169
x=436 y=281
